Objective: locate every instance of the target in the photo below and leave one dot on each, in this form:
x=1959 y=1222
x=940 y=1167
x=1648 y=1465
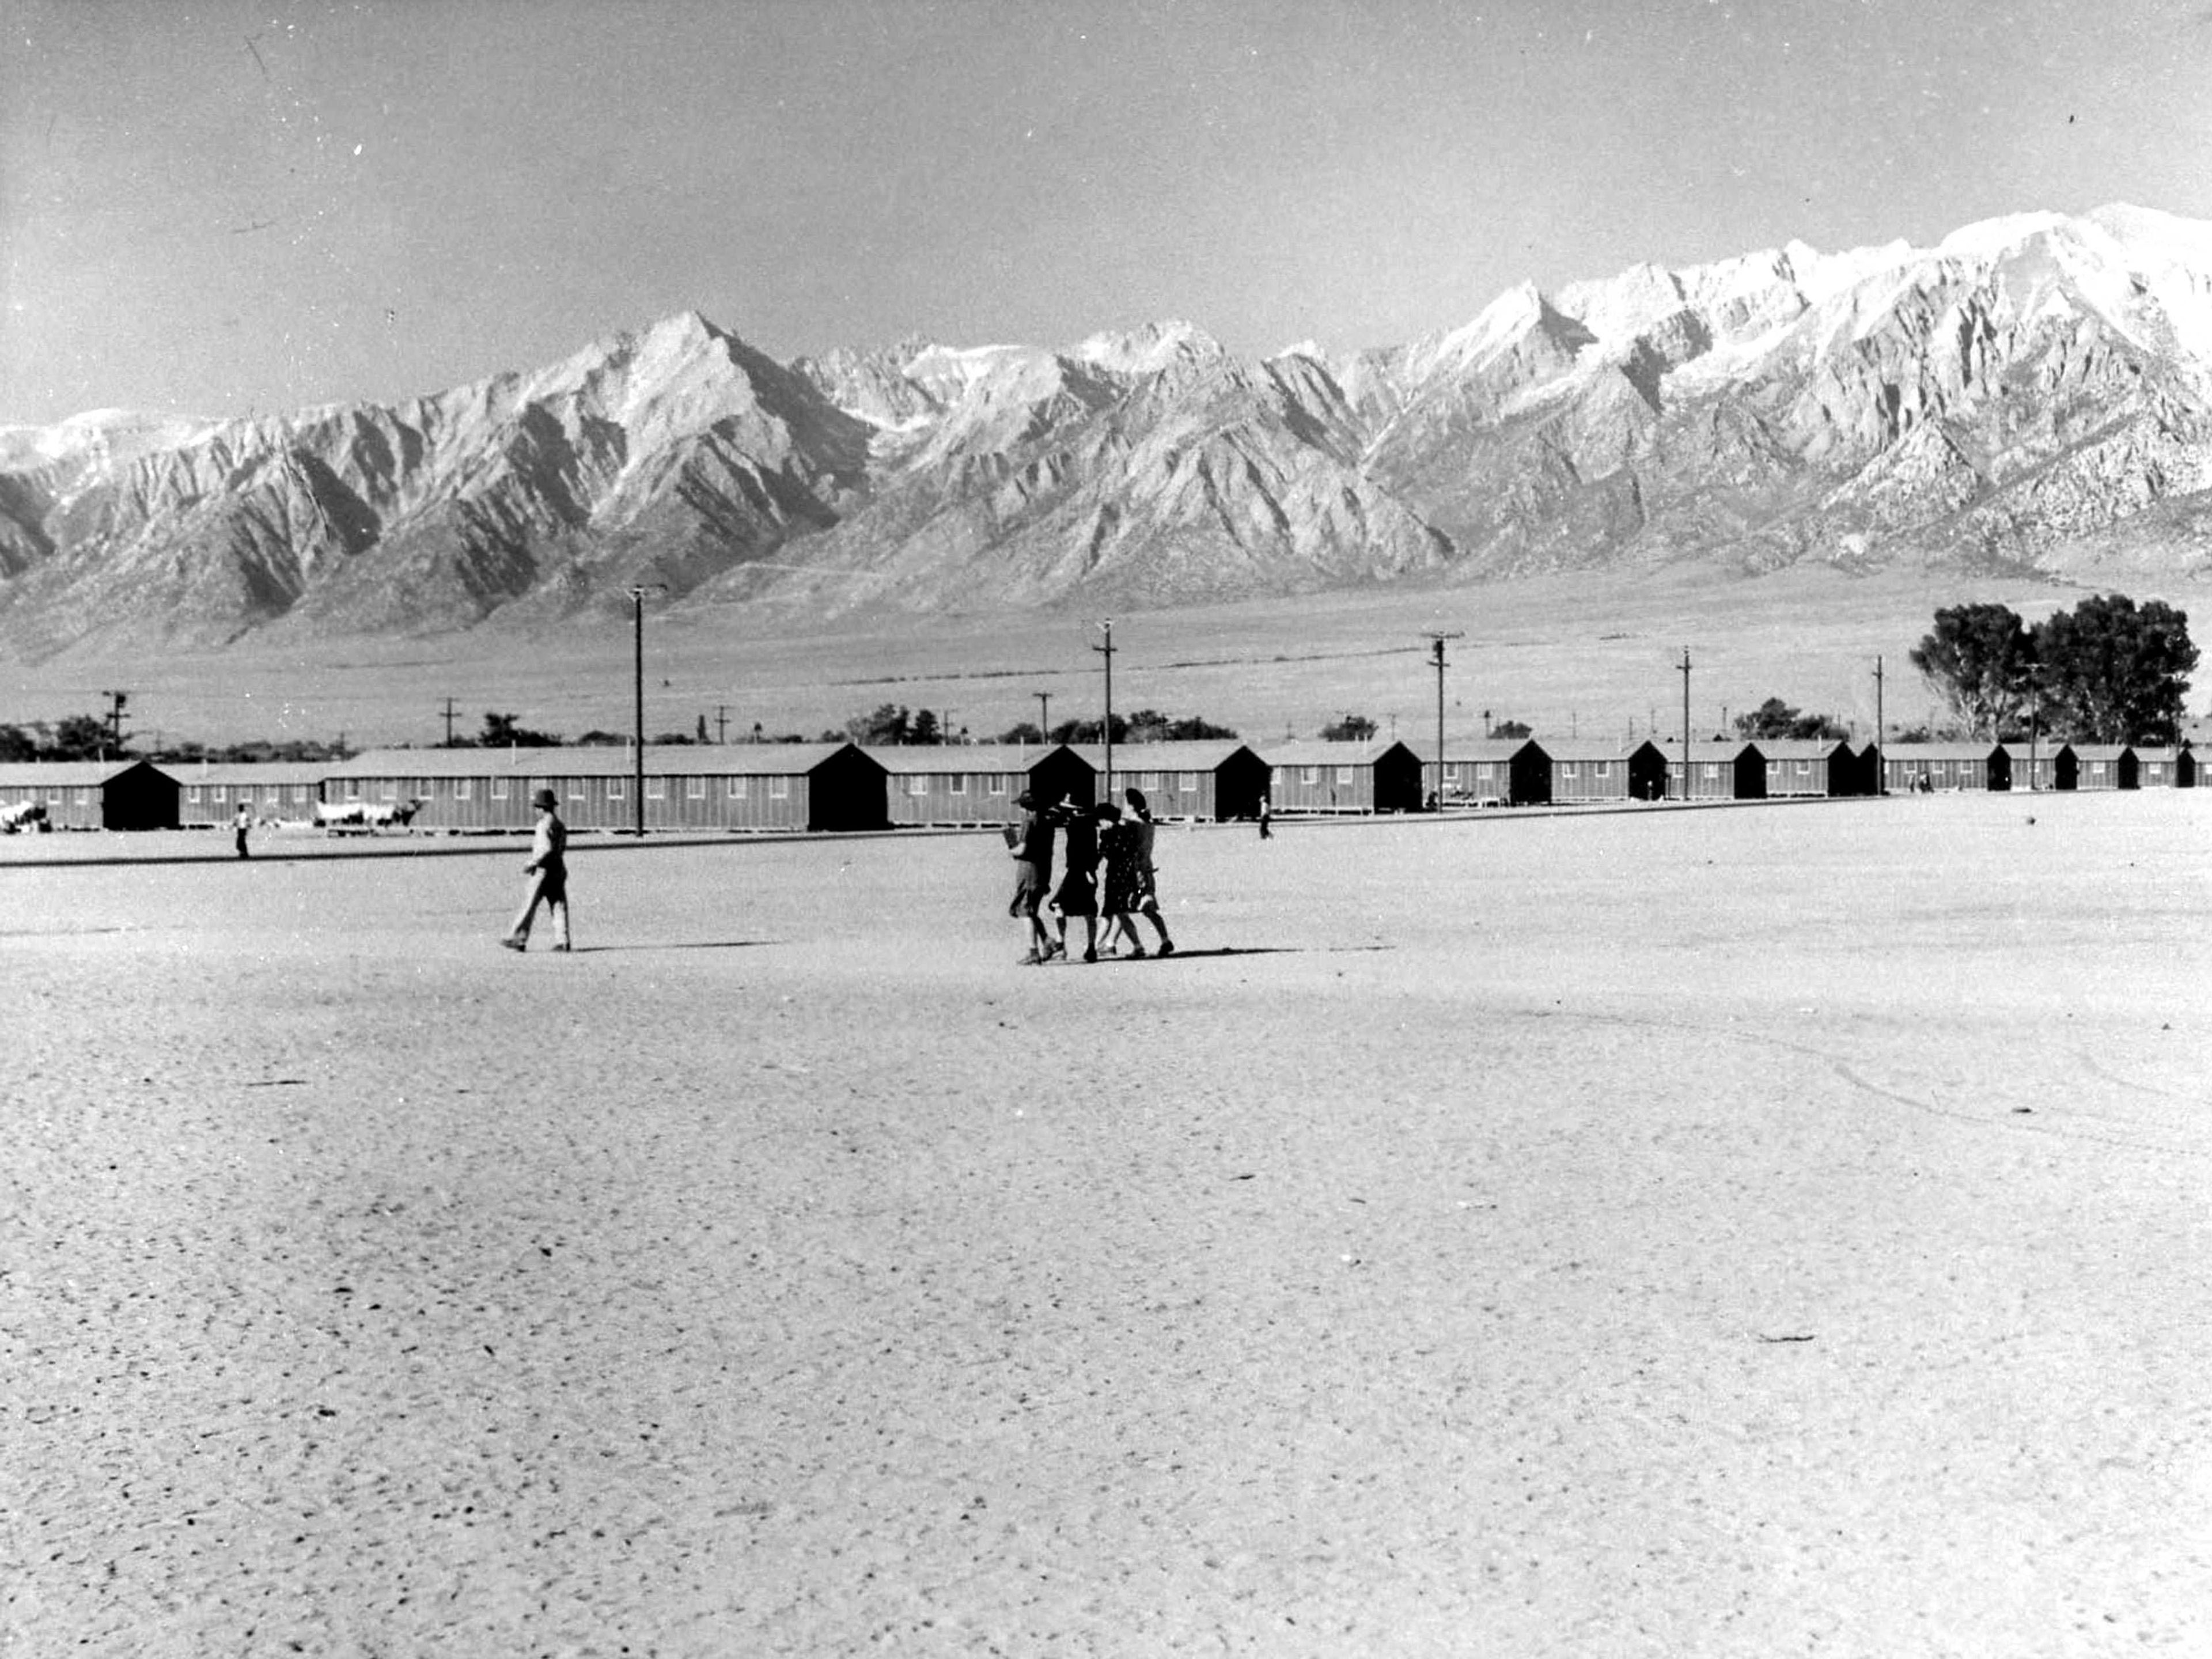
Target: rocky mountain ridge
x=2032 y=395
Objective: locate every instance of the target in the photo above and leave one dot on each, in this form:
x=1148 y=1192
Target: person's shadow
x=681 y=945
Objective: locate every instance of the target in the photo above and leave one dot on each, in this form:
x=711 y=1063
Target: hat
x=546 y=798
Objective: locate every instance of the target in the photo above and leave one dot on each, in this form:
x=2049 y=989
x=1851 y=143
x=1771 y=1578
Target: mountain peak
x=1155 y=346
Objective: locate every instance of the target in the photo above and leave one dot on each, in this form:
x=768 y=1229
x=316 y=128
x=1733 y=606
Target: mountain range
x=2032 y=395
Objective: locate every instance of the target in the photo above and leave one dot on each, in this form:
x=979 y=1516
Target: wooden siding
x=2046 y=765
x=95 y=795
x=283 y=791
x=976 y=783
x=702 y=788
x=1717 y=772
x=2104 y=766
x=1325 y=777
x=1946 y=766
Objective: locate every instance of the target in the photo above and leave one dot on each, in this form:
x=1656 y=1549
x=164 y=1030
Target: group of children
x=1092 y=836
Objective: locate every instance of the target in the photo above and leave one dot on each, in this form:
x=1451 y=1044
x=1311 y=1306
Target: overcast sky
x=214 y=207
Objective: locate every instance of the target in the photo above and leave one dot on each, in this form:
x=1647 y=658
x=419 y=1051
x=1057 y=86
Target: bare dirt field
x=1737 y=1232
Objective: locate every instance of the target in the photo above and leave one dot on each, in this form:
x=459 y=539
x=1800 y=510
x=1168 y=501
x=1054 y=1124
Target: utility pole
x=637 y=688
x=1107 y=732
x=1686 y=722
x=1880 y=732
x=721 y=724
x=449 y=722
x=1044 y=715
x=1437 y=641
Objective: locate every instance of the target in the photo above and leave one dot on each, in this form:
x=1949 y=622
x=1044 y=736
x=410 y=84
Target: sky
x=225 y=208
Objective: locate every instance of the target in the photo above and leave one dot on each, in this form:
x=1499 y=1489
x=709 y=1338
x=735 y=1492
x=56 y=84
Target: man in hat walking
x=548 y=870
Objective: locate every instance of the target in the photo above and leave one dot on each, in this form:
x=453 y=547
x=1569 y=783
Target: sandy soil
x=1729 y=1233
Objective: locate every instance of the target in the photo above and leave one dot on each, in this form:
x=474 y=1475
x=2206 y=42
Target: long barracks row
x=846 y=786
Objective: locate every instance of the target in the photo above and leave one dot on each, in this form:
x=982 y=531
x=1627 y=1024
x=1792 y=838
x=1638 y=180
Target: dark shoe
x=1167 y=947
x=1032 y=960
x=513 y=943
x=1090 y=956
x=1136 y=953
x=564 y=945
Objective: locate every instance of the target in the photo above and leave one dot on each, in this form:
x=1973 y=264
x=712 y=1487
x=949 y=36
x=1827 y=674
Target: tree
x=1022 y=732
x=1776 y=719
x=2108 y=672
x=925 y=728
x=1511 y=729
x=505 y=731
x=887 y=724
x=1089 y=731
x=82 y=737
x=17 y=744
x=1352 y=728
x=1980 y=660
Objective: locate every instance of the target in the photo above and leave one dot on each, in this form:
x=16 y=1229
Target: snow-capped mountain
x=2033 y=394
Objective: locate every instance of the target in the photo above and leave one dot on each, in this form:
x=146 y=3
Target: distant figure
x=1266 y=813
x=548 y=870
x=1078 y=895
x=1030 y=842
x=1148 y=877
x=238 y=825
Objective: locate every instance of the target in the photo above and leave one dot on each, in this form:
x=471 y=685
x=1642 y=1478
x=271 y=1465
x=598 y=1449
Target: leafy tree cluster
x=258 y=750
x=2106 y=672
x=1511 y=729
x=506 y=731
x=75 y=737
x=1150 y=726
x=1776 y=719
x=1352 y=728
x=893 y=724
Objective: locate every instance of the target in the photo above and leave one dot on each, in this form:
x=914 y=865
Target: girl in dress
x=1148 y=879
x=1118 y=846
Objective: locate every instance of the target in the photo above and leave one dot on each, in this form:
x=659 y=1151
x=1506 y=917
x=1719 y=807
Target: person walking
x=1029 y=841
x=238 y=825
x=548 y=870
x=1267 y=813
x=1148 y=877
x=1077 y=894
x=1117 y=843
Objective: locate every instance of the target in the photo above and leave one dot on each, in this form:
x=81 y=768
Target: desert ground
x=1733 y=1232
